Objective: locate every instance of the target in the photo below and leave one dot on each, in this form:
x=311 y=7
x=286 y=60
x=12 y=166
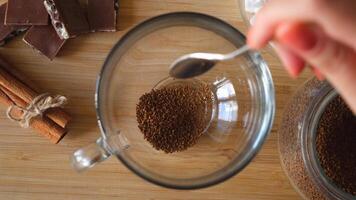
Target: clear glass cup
x=239 y=119
x=248 y=11
x=297 y=142
x=249 y=8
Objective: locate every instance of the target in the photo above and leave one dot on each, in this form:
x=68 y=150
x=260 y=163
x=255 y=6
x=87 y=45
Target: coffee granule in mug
x=336 y=145
x=173 y=118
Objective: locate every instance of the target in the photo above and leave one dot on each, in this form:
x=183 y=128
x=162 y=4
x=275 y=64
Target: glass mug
x=240 y=118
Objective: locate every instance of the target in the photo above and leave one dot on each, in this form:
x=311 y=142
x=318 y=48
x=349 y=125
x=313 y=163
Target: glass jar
x=249 y=8
x=297 y=139
x=248 y=11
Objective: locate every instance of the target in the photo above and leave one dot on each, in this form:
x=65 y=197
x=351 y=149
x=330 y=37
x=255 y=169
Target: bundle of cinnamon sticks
x=16 y=91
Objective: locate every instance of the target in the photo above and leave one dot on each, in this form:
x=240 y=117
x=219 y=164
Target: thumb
x=334 y=60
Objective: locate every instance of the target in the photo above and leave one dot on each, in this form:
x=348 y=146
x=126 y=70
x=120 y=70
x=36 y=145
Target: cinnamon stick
x=26 y=94
x=14 y=98
x=5 y=100
x=18 y=75
x=52 y=113
x=43 y=125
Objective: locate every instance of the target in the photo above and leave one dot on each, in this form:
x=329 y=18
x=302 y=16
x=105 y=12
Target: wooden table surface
x=32 y=168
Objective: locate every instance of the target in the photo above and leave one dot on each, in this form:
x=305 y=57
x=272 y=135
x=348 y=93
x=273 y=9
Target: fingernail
x=298 y=37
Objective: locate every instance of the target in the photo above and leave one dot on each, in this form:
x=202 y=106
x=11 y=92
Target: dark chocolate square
x=45 y=40
x=102 y=15
x=26 y=12
x=4 y=30
x=67 y=17
x=8 y=32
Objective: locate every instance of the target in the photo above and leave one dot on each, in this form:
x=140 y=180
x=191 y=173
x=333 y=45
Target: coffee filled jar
x=299 y=147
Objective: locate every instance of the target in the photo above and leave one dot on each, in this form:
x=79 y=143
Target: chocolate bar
x=6 y=36
x=26 y=12
x=67 y=17
x=45 y=40
x=102 y=15
x=84 y=5
x=8 y=32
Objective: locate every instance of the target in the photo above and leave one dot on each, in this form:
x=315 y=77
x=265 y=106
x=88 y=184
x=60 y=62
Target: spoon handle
x=237 y=53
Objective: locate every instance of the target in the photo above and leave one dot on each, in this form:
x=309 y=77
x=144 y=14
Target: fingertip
x=252 y=39
x=261 y=32
x=318 y=74
x=294 y=72
x=291 y=61
x=291 y=73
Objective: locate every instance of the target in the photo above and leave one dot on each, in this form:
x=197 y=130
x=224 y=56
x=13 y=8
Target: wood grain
x=32 y=168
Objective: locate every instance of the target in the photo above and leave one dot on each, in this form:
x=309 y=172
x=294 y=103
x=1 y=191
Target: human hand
x=321 y=33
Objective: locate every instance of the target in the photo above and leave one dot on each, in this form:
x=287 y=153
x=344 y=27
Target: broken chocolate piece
x=8 y=32
x=11 y=35
x=4 y=30
x=26 y=12
x=45 y=40
x=84 y=5
x=67 y=17
x=102 y=15
x=117 y=5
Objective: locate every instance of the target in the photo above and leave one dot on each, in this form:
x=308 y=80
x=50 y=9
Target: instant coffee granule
x=336 y=145
x=173 y=118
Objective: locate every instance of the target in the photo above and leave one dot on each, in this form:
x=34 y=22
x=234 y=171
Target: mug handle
x=95 y=153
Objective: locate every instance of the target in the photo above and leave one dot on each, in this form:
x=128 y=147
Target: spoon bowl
x=195 y=64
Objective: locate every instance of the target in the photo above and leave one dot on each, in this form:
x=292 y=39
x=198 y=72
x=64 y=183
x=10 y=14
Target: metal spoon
x=195 y=64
